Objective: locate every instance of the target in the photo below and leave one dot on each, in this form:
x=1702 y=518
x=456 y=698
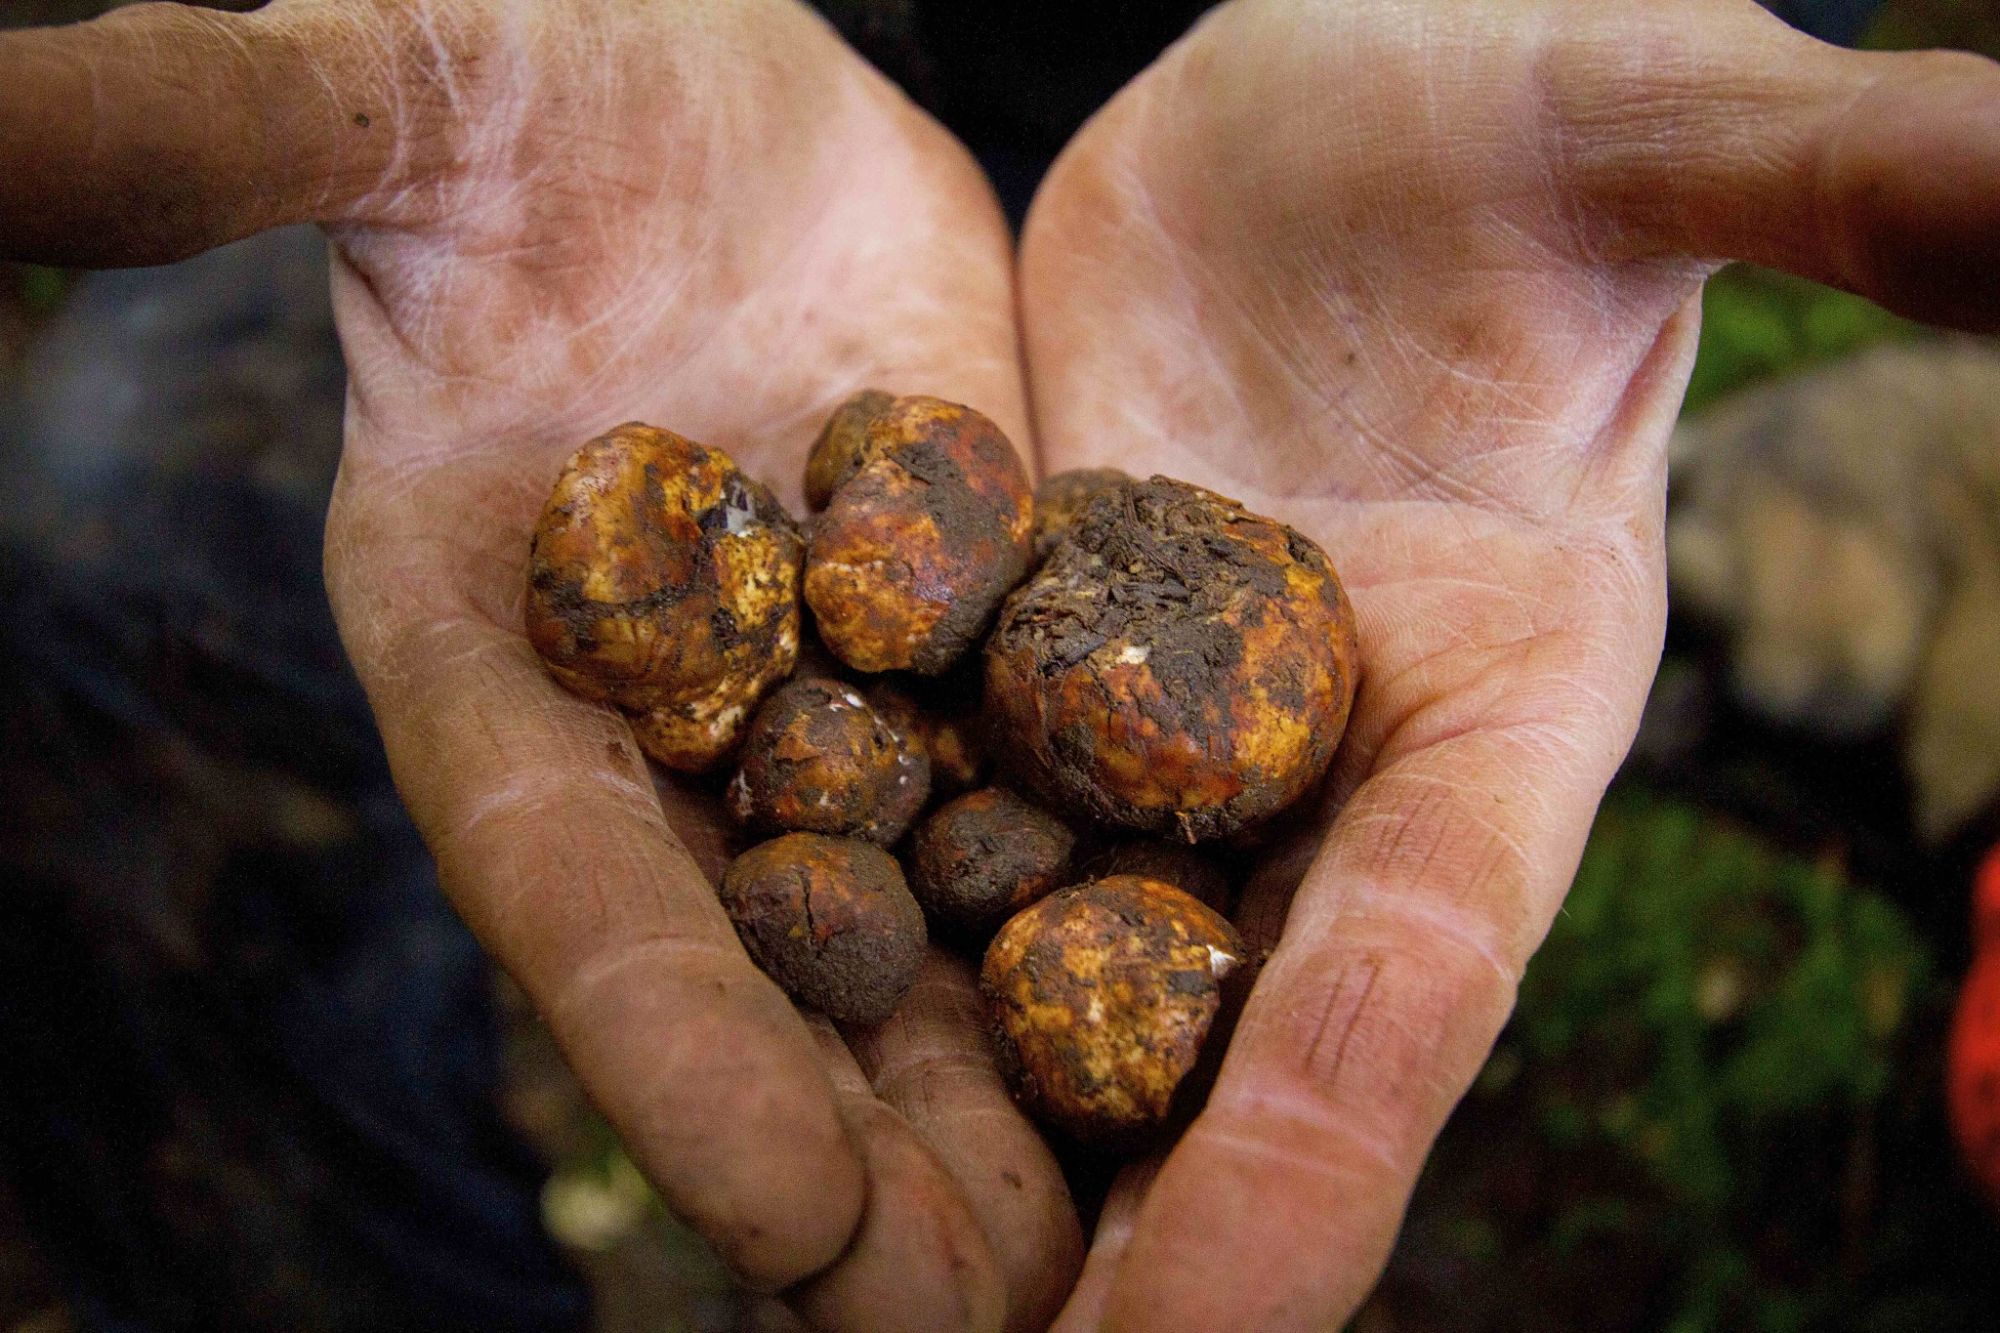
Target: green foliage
x=1757 y=323
x=1703 y=997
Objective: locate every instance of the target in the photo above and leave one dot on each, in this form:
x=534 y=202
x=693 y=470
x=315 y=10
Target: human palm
x=1421 y=280
x=1412 y=277
x=549 y=218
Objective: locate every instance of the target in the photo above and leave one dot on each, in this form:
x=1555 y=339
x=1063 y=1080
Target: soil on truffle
x=1101 y=996
x=1179 y=666
x=942 y=716
x=663 y=580
x=916 y=549
x=830 y=920
x=983 y=857
x=819 y=758
x=1062 y=496
x=841 y=448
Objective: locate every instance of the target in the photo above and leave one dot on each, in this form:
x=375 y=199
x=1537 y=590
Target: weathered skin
x=916 y=549
x=839 y=451
x=830 y=920
x=1193 y=871
x=946 y=727
x=663 y=580
x=1061 y=498
x=983 y=857
x=820 y=759
x=1101 y=996
x=1179 y=666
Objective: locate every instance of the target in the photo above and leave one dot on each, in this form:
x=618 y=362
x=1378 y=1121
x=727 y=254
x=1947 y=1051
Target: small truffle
x=1062 y=496
x=943 y=722
x=1188 y=869
x=983 y=857
x=916 y=549
x=820 y=759
x=830 y=920
x=663 y=580
x=840 y=449
x=1101 y=996
x=1179 y=666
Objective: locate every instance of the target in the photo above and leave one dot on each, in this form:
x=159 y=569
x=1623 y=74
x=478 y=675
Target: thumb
x=1727 y=135
x=163 y=129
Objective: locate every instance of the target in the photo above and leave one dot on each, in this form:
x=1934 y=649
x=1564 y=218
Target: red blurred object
x=1972 y=1073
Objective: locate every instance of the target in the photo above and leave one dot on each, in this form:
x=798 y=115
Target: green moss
x=1757 y=324
x=1702 y=997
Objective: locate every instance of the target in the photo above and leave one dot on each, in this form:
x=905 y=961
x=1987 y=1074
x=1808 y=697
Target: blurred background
x=254 y=1075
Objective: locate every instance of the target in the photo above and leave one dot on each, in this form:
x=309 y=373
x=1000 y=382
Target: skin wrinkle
x=1454 y=920
x=1484 y=886
x=533 y=788
x=1849 y=266
x=921 y=1067
x=1278 y=1106
x=1403 y=1016
x=1326 y=1049
x=1412 y=874
x=665 y=953
x=565 y=936
x=1414 y=679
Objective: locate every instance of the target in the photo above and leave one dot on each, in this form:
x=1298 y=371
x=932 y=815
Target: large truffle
x=830 y=920
x=1062 y=496
x=1101 y=996
x=984 y=856
x=663 y=580
x=916 y=548
x=1178 y=666
x=820 y=759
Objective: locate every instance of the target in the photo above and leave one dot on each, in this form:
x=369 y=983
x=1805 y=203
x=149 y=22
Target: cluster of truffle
x=1166 y=670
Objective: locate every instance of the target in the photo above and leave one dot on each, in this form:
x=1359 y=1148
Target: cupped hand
x=1420 y=278
x=551 y=216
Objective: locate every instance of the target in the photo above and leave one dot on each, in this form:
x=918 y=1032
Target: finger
x=163 y=129
x=919 y=1261
x=932 y=1062
x=1084 y=1311
x=551 y=843
x=1405 y=939
x=1719 y=132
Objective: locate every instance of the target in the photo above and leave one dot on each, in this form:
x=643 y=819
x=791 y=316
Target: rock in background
x=1840 y=529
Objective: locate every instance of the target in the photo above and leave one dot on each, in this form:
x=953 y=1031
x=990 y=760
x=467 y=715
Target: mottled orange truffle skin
x=981 y=858
x=840 y=449
x=1062 y=496
x=916 y=549
x=948 y=733
x=1179 y=666
x=663 y=580
x=1100 y=997
x=820 y=759
x=830 y=920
